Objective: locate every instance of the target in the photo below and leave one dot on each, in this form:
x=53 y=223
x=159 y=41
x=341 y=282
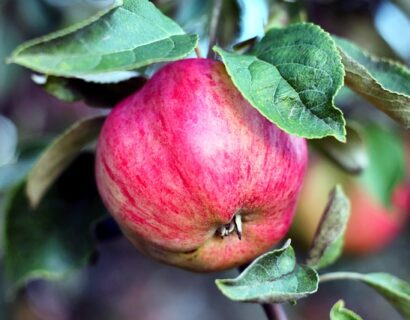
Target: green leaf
x=387 y=167
x=59 y=155
x=271 y=278
x=55 y=238
x=339 y=312
x=93 y=94
x=291 y=77
x=328 y=242
x=129 y=35
x=384 y=83
x=351 y=156
x=395 y=290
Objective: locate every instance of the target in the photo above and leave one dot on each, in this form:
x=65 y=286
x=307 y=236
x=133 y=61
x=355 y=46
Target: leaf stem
x=198 y=52
x=274 y=311
x=340 y=276
x=213 y=26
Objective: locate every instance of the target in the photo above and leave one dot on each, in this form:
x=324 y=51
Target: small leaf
x=351 y=156
x=59 y=155
x=55 y=238
x=339 y=312
x=292 y=77
x=93 y=94
x=384 y=83
x=387 y=167
x=395 y=290
x=272 y=278
x=129 y=35
x=328 y=242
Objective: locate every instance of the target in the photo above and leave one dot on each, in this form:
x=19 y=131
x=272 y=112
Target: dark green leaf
x=59 y=155
x=93 y=94
x=339 y=312
x=328 y=242
x=351 y=156
x=384 y=83
x=55 y=238
x=129 y=35
x=387 y=166
x=291 y=77
x=272 y=278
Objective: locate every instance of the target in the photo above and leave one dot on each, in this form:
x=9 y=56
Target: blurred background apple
x=372 y=224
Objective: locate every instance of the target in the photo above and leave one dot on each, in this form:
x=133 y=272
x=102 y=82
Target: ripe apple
x=194 y=175
x=372 y=226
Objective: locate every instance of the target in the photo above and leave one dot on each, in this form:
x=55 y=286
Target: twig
x=340 y=276
x=213 y=26
x=274 y=311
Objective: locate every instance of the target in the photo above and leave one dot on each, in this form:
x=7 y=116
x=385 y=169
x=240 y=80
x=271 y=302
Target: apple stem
x=213 y=26
x=198 y=52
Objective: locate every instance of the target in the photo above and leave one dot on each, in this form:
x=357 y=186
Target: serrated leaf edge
x=342 y=137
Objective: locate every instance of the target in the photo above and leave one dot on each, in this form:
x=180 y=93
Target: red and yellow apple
x=372 y=225
x=193 y=174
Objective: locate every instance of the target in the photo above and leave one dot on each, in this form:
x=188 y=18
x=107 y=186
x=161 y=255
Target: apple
x=193 y=174
x=372 y=226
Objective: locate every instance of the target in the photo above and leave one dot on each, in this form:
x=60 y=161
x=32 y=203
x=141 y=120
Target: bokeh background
x=120 y=283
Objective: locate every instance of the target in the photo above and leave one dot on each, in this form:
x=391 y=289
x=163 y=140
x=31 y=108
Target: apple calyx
x=235 y=225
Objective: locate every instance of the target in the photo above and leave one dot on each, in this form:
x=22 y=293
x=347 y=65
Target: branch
x=213 y=27
x=274 y=311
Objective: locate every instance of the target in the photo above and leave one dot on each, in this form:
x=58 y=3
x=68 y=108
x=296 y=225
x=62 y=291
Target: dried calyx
x=235 y=225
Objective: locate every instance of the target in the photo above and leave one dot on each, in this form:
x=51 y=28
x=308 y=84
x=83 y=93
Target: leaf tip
x=32 y=195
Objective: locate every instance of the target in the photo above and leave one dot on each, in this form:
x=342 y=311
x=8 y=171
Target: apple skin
x=371 y=226
x=182 y=156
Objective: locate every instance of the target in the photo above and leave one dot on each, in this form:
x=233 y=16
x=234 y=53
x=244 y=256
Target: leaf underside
x=61 y=152
x=129 y=35
x=328 y=242
x=271 y=278
x=384 y=83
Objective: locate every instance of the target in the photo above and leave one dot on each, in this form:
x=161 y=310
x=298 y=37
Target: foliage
x=291 y=76
x=272 y=278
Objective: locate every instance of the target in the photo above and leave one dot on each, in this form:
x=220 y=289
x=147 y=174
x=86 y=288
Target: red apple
x=371 y=227
x=194 y=175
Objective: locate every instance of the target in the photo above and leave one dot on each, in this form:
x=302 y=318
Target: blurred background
x=120 y=283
